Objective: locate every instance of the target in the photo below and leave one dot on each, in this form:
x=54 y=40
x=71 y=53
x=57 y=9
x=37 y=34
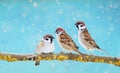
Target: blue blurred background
x=23 y=23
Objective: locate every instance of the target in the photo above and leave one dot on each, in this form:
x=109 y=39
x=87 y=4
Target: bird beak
x=76 y=25
x=56 y=32
x=52 y=37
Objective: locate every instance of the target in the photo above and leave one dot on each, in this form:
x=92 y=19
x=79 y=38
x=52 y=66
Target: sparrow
x=46 y=45
x=65 y=41
x=85 y=38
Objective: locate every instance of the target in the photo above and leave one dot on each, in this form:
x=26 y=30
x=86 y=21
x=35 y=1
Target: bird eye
x=47 y=39
x=81 y=25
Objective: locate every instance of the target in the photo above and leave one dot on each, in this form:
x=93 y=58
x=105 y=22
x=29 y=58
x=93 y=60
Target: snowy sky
x=23 y=23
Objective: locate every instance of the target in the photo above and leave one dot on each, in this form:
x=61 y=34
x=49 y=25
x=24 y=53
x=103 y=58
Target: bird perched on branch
x=66 y=42
x=85 y=38
x=46 y=45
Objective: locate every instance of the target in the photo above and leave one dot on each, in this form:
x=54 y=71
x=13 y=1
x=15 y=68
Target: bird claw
x=44 y=53
x=70 y=53
x=91 y=55
x=61 y=52
x=51 y=53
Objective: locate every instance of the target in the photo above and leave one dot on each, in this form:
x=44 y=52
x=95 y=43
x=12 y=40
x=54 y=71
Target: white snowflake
x=28 y=27
x=58 y=2
x=103 y=11
x=22 y=30
x=53 y=65
x=116 y=20
x=75 y=36
x=4 y=30
x=40 y=31
x=118 y=13
x=111 y=6
x=60 y=12
x=111 y=28
x=35 y=4
x=33 y=43
x=13 y=48
x=108 y=33
x=33 y=24
x=30 y=1
x=98 y=17
x=72 y=13
x=106 y=72
x=4 y=5
x=100 y=6
x=24 y=15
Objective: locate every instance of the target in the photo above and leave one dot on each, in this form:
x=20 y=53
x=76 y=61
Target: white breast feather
x=80 y=39
x=47 y=48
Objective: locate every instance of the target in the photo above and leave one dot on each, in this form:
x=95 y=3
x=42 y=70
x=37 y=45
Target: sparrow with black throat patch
x=46 y=45
x=66 y=42
x=85 y=38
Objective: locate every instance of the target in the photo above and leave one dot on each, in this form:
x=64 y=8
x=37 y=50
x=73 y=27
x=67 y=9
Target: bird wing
x=41 y=44
x=89 y=40
x=67 y=42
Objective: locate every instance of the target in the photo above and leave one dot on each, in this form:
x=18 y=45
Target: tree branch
x=61 y=57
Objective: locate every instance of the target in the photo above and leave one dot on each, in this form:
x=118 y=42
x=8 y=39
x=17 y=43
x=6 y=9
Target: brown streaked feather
x=88 y=39
x=67 y=42
x=41 y=44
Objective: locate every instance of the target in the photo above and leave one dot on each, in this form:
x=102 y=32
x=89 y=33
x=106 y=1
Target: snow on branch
x=61 y=57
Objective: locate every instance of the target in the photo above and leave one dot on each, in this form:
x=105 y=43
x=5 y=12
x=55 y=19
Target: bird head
x=48 y=38
x=80 y=25
x=59 y=30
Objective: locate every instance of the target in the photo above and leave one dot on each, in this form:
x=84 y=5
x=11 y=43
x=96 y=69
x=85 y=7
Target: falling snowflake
x=22 y=30
x=13 y=48
x=98 y=17
x=30 y=1
x=75 y=36
x=108 y=33
x=106 y=72
x=4 y=5
x=35 y=4
x=33 y=43
x=33 y=24
x=4 y=30
x=100 y=6
x=28 y=27
x=58 y=2
x=111 y=6
x=60 y=12
x=116 y=20
x=23 y=15
x=53 y=65
x=118 y=14
x=40 y=31
x=111 y=28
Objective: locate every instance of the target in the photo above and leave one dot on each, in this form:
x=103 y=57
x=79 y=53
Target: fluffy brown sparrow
x=46 y=45
x=65 y=41
x=85 y=38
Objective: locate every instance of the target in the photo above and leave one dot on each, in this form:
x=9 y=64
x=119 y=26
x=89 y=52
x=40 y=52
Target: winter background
x=23 y=23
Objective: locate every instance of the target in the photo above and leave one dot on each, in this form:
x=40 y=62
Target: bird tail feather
x=78 y=52
x=104 y=51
